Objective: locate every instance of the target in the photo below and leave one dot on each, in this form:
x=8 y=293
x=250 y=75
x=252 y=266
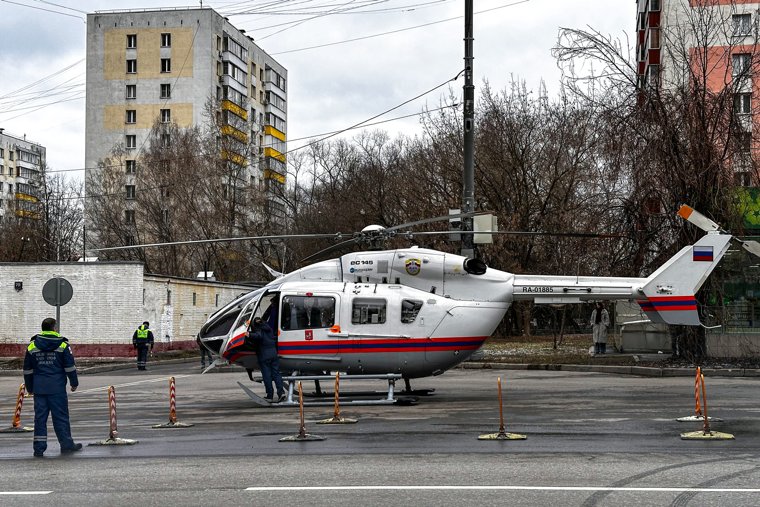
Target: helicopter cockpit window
x=368 y=311
x=409 y=310
x=307 y=312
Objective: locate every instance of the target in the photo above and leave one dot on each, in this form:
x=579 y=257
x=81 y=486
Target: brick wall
x=110 y=300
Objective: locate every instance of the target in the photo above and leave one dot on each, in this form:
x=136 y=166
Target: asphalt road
x=593 y=439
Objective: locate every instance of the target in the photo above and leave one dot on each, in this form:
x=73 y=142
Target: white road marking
x=146 y=381
x=501 y=488
x=25 y=492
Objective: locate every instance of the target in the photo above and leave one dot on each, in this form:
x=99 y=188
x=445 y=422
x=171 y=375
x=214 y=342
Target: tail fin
x=670 y=290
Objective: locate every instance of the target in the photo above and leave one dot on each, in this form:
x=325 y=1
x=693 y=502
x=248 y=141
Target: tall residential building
x=713 y=41
x=21 y=173
x=164 y=65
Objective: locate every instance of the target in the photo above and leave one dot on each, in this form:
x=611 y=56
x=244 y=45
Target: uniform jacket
x=264 y=339
x=142 y=341
x=47 y=364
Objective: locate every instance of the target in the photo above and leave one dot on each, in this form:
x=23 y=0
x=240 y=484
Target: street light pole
x=468 y=179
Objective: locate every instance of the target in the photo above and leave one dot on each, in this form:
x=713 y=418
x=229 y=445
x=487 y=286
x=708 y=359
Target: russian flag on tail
x=702 y=253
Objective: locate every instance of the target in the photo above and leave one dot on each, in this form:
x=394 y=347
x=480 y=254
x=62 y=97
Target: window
x=168 y=297
x=10 y=155
x=741 y=24
x=132 y=66
x=741 y=63
x=130 y=191
x=195 y=298
x=165 y=216
x=409 y=310
x=654 y=5
x=131 y=116
x=743 y=103
x=653 y=77
x=131 y=41
x=216 y=300
x=654 y=38
x=743 y=141
x=131 y=166
x=131 y=142
x=166 y=64
x=129 y=240
x=166 y=91
x=131 y=91
x=166 y=140
x=166 y=115
x=368 y=311
x=307 y=312
x=129 y=216
x=166 y=40
x=742 y=178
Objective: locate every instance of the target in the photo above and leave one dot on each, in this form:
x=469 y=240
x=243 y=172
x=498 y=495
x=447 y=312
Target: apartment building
x=714 y=40
x=165 y=65
x=21 y=172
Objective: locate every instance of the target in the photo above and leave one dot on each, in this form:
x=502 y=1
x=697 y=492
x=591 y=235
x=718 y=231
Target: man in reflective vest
x=142 y=338
x=47 y=365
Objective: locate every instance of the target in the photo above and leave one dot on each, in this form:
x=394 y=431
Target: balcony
x=228 y=105
x=273 y=175
x=271 y=152
x=235 y=158
x=231 y=131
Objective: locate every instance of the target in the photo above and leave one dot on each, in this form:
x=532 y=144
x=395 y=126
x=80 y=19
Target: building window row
x=131 y=167
x=166 y=91
x=235 y=73
x=276 y=122
x=741 y=63
x=276 y=79
x=166 y=65
x=236 y=49
x=166 y=40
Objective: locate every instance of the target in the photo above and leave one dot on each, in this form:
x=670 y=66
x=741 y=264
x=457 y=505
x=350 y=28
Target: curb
x=126 y=366
x=643 y=371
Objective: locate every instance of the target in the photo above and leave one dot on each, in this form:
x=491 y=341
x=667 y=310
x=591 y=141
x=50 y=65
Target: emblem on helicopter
x=413 y=266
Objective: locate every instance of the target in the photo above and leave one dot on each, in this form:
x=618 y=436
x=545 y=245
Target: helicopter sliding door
x=305 y=339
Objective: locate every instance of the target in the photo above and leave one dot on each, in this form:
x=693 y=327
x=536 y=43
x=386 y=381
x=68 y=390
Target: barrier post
x=502 y=434
x=705 y=433
x=172 y=409
x=698 y=416
x=113 y=433
x=336 y=418
x=16 y=426
x=302 y=435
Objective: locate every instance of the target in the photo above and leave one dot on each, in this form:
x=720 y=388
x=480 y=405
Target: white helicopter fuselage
x=419 y=312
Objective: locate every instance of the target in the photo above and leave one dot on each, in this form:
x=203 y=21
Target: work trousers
x=204 y=354
x=270 y=370
x=142 y=355
x=58 y=406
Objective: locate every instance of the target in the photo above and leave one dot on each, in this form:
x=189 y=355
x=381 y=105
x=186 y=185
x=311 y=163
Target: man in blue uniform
x=142 y=338
x=47 y=364
x=266 y=349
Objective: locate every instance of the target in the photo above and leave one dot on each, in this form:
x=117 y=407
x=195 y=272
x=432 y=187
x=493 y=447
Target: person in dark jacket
x=48 y=364
x=263 y=338
x=142 y=338
x=204 y=353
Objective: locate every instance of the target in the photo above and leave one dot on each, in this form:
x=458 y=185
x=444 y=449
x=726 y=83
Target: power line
x=355 y=39
x=46 y=10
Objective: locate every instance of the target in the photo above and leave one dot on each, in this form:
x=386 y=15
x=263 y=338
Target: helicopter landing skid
x=292 y=397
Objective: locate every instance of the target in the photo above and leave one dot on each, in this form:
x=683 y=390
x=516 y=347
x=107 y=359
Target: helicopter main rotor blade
x=329 y=249
x=217 y=240
x=435 y=219
x=520 y=233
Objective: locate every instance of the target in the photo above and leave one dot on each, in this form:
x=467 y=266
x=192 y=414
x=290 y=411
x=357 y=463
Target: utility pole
x=468 y=179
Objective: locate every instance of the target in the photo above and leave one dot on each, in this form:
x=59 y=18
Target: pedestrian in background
x=48 y=364
x=600 y=321
x=266 y=350
x=204 y=353
x=142 y=339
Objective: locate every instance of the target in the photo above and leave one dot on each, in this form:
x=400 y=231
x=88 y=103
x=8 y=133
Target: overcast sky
x=330 y=87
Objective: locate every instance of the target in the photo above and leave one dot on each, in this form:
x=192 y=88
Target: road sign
x=57 y=291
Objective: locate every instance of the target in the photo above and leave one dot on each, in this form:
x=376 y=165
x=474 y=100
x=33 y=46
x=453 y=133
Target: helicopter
x=418 y=312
